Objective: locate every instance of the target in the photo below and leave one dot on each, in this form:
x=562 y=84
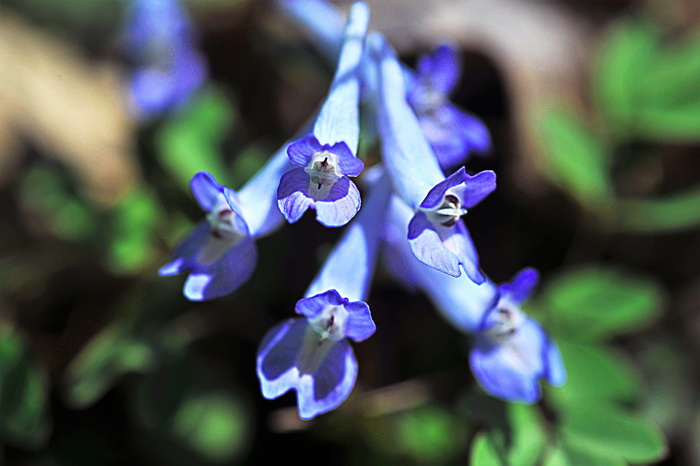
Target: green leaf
x=578 y=160
x=133 y=229
x=627 y=52
x=191 y=143
x=672 y=213
x=429 y=434
x=24 y=418
x=608 y=431
x=113 y=353
x=484 y=452
x=528 y=436
x=596 y=303
x=213 y=424
x=594 y=372
x=671 y=123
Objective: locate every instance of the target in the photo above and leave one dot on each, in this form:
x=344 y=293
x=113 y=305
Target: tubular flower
x=219 y=253
x=169 y=69
x=436 y=234
x=452 y=133
x=511 y=352
x=312 y=355
x=328 y=156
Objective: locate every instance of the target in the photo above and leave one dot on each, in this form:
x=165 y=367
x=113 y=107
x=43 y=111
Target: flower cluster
x=414 y=212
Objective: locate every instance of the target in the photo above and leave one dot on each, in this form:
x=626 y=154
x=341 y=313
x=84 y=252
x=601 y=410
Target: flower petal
x=437 y=193
x=457 y=240
x=349 y=164
x=522 y=285
x=277 y=357
x=556 y=372
x=428 y=248
x=313 y=306
x=330 y=384
x=301 y=150
x=440 y=69
x=224 y=275
x=360 y=325
x=510 y=367
x=341 y=204
x=293 y=196
x=206 y=190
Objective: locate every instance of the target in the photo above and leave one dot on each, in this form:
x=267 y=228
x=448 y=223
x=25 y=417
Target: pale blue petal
x=292 y=194
x=338 y=119
x=277 y=357
x=206 y=190
x=556 y=372
x=457 y=240
x=318 y=19
x=426 y=244
x=511 y=367
x=225 y=275
x=331 y=384
x=341 y=205
x=350 y=265
x=407 y=155
x=360 y=325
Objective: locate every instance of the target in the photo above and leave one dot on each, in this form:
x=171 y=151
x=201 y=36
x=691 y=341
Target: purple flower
x=437 y=236
x=322 y=184
x=219 y=253
x=512 y=352
x=328 y=155
x=312 y=355
x=451 y=132
x=169 y=69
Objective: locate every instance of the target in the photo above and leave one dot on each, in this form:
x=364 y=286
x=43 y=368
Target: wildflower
x=328 y=155
x=169 y=69
x=511 y=352
x=219 y=253
x=436 y=234
x=451 y=132
x=312 y=355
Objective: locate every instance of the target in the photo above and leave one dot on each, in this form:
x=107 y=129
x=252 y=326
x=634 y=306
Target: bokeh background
x=594 y=111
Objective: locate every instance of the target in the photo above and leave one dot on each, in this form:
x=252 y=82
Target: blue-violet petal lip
x=301 y=151
x=205 y=189
x=341 y=205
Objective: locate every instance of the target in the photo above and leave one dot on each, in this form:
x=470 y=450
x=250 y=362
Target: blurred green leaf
x=45 y=193
x=191 y=142
x=111 y=354
x=528 y=438
x=594 y=372
x=648 y=86
x=133 y=229
x=484 y=452
x=671 y=213
x=596 y=303
x=627 y=52
x=213 y=424
x=24 y=418
x=610 y=432
x=578 y=160
x=429 y=434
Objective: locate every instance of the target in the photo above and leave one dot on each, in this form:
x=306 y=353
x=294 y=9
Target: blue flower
x=451 y=132
x=312 y=355
x=169 y=69
x=512 y=352
x=219 y=253
x=328 y=155
x=437 y=236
